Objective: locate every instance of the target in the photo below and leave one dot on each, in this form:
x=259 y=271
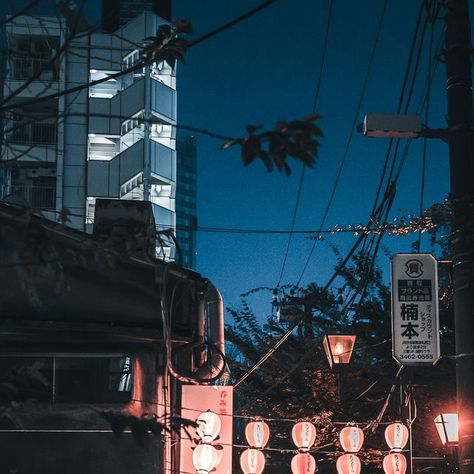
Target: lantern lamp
x=338 y=348
x=351 y=439
x=396 y=436
x=447 y=425
x=394 y=463
x=252 y=461
x=205 y=458
x=303 y=463
x=257 y=434
x=348 y=464
x=303 y=435
x=209 y=426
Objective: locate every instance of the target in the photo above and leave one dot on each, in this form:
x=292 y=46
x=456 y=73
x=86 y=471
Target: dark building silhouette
x=186 y=199
x=115 y=13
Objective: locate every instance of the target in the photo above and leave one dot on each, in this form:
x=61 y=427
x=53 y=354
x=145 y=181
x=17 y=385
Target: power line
x=349 y=140
x=315 y=102
x=387 y=199
x=141 y=63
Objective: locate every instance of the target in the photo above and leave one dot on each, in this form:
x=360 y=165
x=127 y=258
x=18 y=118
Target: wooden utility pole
x=461 y=153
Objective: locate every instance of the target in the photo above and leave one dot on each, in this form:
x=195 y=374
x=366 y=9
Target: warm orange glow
x=396 y=436
x=205 y=458
x=209 y=426
x=394 y=463
x=351 y=439
x=348 y=464
x=338 y=348
x=252 y=461
x=303 y=435
x=447 y=425
x=257 y=434
x=303 y=463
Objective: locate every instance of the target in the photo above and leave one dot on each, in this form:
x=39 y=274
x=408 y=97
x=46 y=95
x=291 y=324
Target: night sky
x=266 y=69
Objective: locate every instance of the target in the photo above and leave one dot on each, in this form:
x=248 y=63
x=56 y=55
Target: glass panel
x=26 y=378
x=93 y=379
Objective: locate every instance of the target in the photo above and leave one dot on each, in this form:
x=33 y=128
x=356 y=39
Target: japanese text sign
x=415 y=313
x=195 y=400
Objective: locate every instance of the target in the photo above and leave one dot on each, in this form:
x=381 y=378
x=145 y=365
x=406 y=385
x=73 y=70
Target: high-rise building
x=186 y=199
x=113 y=140
x=116 y=13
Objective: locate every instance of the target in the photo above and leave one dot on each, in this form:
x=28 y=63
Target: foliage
x=297 y=139
x=280 y=392
x=166 y=45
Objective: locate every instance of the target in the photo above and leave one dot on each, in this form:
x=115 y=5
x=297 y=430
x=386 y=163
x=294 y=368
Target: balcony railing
x=26 y=68
x=39 y=197
x=31 y=133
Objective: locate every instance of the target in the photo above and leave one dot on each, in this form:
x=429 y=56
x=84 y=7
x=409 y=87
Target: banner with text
x=415 y=313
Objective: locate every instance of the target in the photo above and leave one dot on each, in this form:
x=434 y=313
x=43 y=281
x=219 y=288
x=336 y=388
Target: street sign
x=415 y=312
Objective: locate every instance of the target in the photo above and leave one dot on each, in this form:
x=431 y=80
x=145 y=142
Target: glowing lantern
x=394 y=463
x=338 y=348
x=304 y=435
x=303 y=463
x=257 y=434
x=351 y=438
x=205 y=458
x=348 y=464
x=209 y=426
x=447 y=425
x=396 y=436
x=252 y=461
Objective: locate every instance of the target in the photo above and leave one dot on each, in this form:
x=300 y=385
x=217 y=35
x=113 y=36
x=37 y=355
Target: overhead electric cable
x=141 y=64
x=349 y=140
x=388 y=198
x=425 y=140
x=303 y=168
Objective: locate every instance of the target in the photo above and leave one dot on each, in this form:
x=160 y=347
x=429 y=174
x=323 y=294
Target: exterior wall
x=114 y=140
x=186 y=199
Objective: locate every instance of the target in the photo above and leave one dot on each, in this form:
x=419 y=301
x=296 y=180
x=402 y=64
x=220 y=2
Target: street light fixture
x=447 y=425
x=338 y=348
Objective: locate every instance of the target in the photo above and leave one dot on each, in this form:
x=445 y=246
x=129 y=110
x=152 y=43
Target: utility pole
x=461 y=154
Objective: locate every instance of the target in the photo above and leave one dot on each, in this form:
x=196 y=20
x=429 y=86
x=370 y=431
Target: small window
x=66 y=379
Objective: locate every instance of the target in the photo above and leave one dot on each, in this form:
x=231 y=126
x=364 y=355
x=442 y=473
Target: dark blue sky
x=266 y=69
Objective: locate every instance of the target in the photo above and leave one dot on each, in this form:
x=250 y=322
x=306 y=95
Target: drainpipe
x=213 y=327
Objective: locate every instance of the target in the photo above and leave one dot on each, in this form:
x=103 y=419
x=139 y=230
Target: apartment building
x=114 y=140
x=186 y=199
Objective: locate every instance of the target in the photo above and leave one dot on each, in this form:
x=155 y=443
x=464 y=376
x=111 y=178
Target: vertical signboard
x=198 y=399
x=415 y=313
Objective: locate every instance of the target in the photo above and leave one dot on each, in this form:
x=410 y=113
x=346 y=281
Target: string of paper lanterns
x=396 y=437
x=303 y=434
x=206 y=456
x=252 y=460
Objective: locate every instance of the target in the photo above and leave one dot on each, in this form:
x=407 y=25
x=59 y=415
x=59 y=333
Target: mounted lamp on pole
x=338 y=349
x=447 y=426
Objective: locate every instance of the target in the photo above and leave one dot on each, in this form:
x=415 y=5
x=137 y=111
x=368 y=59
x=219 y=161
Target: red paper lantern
x=394 y=463
x=257 y=434
x=348 y=464
x=304 y=435
x=209 y=426
x=303 y=463
x=396 y=436
x=252 y=461
x=351 y=438
x=205 y=458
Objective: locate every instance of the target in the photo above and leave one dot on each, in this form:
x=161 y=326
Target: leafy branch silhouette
x=166 y=45
x=297 y=139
